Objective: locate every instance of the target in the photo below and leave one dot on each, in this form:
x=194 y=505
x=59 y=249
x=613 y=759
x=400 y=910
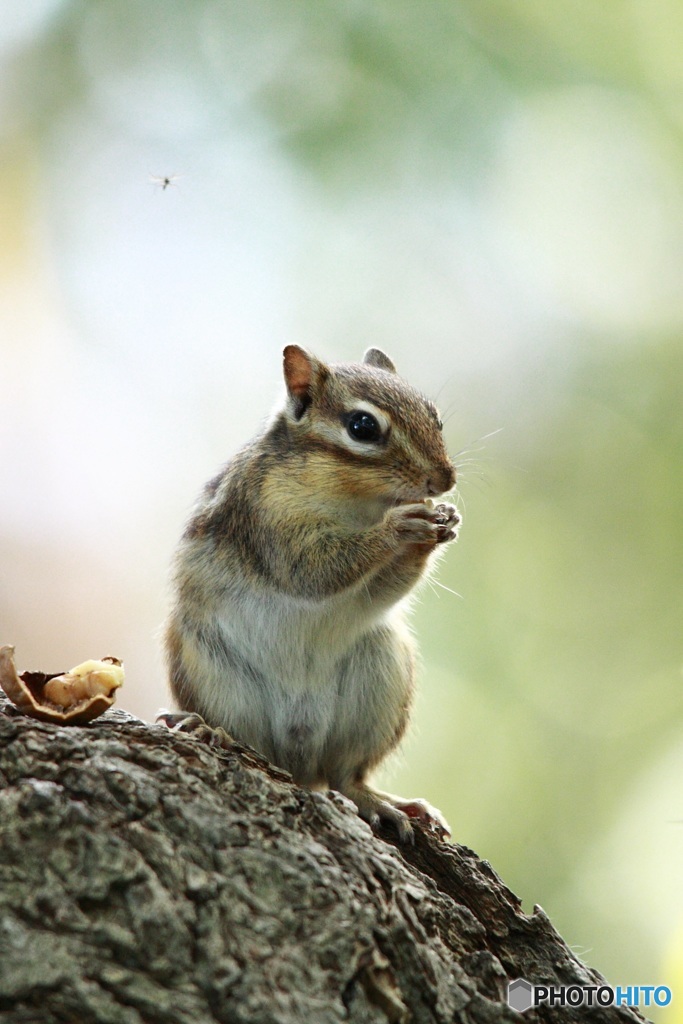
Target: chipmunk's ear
x=375 y=357
x=303 y=374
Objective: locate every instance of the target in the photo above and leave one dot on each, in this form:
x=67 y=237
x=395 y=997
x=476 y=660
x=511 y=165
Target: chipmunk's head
x=380 y=438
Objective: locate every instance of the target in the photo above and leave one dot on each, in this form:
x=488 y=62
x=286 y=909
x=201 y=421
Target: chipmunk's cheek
x=370 y=486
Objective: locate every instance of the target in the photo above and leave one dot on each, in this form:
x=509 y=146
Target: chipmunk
x=287 y=628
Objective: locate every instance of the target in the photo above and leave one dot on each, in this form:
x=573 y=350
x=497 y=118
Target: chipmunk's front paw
x=425 y=523
x=194 y=725
x=447 y=519
x=415 y=524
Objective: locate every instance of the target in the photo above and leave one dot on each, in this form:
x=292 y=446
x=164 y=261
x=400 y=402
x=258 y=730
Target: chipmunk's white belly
x=296 y=642
x=289 y=690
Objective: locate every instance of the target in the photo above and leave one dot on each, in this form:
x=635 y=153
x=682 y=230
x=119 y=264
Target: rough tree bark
x=145 y=877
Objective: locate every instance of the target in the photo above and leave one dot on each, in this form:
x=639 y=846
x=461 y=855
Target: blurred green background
x=493 y=192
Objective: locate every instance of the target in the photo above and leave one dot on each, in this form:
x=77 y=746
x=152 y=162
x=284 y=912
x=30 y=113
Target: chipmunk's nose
x=441 y=479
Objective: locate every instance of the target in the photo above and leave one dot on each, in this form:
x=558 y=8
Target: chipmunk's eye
x=362 y=426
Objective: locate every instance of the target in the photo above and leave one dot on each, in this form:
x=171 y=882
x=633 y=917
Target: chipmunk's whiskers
x=444 y=587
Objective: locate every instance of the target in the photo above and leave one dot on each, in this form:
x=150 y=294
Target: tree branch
x=148 y=878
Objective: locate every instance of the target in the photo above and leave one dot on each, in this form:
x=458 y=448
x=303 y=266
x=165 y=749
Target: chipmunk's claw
x=428 y=816
x=387 y=814
x=194 y=725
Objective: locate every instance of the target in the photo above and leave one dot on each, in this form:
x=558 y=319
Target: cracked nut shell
x=68 y=698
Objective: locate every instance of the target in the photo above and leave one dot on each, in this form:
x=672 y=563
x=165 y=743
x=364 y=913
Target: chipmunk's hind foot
x=423 y=812
x=373 y=808
x=194 y=725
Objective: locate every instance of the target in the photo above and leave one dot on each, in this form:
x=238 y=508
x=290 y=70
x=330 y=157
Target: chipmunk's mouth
x=422 y=494
x=416 y=498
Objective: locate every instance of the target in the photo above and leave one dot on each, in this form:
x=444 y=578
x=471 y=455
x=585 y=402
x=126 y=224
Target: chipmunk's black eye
x=362 y=426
